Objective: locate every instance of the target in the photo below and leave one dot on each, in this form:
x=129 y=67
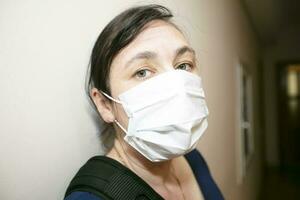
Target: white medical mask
x=167 y=115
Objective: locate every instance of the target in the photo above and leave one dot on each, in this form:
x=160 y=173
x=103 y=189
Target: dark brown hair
x=123 y=29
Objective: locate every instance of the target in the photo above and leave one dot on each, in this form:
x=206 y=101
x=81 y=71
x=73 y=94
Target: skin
x=172 y=179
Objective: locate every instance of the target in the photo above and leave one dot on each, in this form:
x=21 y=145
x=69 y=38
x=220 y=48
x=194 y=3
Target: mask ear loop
x=117 y=101
x=121 y=127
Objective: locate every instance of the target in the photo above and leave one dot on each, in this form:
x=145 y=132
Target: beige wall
x=47 y=129
x=235 y=37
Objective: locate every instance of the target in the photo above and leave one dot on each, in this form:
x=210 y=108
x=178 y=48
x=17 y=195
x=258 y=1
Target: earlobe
x=103 y=105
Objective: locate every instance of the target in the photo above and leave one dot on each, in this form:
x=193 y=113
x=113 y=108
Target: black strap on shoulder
x=110 y=180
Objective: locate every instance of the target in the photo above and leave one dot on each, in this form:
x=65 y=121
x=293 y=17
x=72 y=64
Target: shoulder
x=82 y=186
x=106 y=178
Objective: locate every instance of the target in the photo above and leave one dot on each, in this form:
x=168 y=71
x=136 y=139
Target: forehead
x=158 y=36
x=158 y=30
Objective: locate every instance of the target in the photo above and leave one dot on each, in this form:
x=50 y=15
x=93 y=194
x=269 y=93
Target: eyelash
x=138 y=71
x=146 y=69
x=190 y=64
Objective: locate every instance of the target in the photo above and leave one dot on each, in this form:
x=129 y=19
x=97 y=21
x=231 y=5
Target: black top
x=199 y=167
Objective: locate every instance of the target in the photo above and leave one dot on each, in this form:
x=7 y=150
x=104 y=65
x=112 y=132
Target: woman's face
x=157 y=49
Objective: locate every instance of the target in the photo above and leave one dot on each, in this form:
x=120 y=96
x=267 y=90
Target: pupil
x=142 y=73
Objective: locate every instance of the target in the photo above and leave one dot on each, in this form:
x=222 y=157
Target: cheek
x=116 y=84
x=196 y=70
x=121 y=115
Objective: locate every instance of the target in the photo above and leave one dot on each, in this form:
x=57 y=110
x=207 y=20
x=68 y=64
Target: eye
x=142 y=74
x=185 y=66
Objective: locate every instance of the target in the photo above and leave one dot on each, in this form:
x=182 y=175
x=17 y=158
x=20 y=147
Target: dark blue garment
x=201 y=172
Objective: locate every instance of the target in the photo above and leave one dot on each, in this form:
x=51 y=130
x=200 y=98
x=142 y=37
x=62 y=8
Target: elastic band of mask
x=115 y=100
x=123 y=129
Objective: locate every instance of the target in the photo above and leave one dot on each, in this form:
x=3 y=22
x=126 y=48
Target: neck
x=158 y=173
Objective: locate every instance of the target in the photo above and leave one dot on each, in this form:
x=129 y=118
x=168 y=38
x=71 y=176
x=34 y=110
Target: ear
x=103 y=105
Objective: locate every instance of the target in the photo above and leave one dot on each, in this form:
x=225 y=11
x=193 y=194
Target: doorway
x=289 y=115
x=284 y=182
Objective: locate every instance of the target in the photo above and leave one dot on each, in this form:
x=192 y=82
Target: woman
x=145 y=85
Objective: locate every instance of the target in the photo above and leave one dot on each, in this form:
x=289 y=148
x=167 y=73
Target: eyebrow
x=151 y=55
x=185 y=49
x=142 y=55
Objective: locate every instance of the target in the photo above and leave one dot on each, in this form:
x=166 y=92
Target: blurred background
x=249 y=54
